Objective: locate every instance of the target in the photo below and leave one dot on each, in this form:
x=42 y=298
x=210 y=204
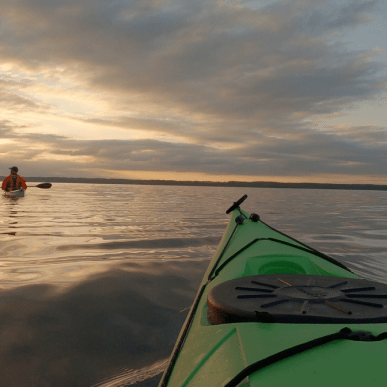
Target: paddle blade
x=44 y=185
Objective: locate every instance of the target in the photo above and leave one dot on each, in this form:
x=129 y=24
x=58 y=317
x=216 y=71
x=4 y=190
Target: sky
x=210 y=90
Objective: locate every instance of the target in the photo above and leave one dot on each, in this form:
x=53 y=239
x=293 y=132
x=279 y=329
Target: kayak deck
x=218 y=341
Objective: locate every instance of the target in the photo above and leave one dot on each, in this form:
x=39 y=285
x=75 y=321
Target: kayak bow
x=272 y=311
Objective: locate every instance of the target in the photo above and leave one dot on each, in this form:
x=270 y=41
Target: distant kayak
x=19 y=193
x=272 y=311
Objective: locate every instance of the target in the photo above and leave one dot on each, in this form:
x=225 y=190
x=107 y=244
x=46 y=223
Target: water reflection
x=95 y=286
x=10 y=214
x=125 y=318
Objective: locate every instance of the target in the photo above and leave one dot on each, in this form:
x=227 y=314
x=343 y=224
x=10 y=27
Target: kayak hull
x=218 y=342
x=15 y=194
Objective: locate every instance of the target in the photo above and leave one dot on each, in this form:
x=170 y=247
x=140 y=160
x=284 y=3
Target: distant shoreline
x=257 y=184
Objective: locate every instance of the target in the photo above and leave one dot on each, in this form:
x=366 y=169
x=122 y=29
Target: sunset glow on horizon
x=237 y=90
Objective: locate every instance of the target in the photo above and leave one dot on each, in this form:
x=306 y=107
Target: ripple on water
x=103 y=272
x=128 y=377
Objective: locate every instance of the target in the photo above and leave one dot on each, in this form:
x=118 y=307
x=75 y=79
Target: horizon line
x=257 y=184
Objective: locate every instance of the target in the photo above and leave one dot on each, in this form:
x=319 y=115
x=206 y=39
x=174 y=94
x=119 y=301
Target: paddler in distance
x=13 y=181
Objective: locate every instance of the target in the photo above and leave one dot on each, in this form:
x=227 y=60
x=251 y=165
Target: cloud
x=342 y=151
x=218 y=80
x=14 y=102
x=158 y=50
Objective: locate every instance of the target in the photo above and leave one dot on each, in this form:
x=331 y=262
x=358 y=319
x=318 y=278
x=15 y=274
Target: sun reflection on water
x=96 y=280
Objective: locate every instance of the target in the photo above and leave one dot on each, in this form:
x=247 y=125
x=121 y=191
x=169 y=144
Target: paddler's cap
x=14 y=169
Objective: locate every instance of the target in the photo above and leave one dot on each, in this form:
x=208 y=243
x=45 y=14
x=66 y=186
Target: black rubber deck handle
x=236 y=204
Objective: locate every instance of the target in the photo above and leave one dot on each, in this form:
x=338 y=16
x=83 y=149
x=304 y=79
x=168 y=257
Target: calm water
x=96 y=280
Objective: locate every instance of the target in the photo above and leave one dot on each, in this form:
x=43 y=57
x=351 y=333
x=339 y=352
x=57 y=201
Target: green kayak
x=272 y=311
